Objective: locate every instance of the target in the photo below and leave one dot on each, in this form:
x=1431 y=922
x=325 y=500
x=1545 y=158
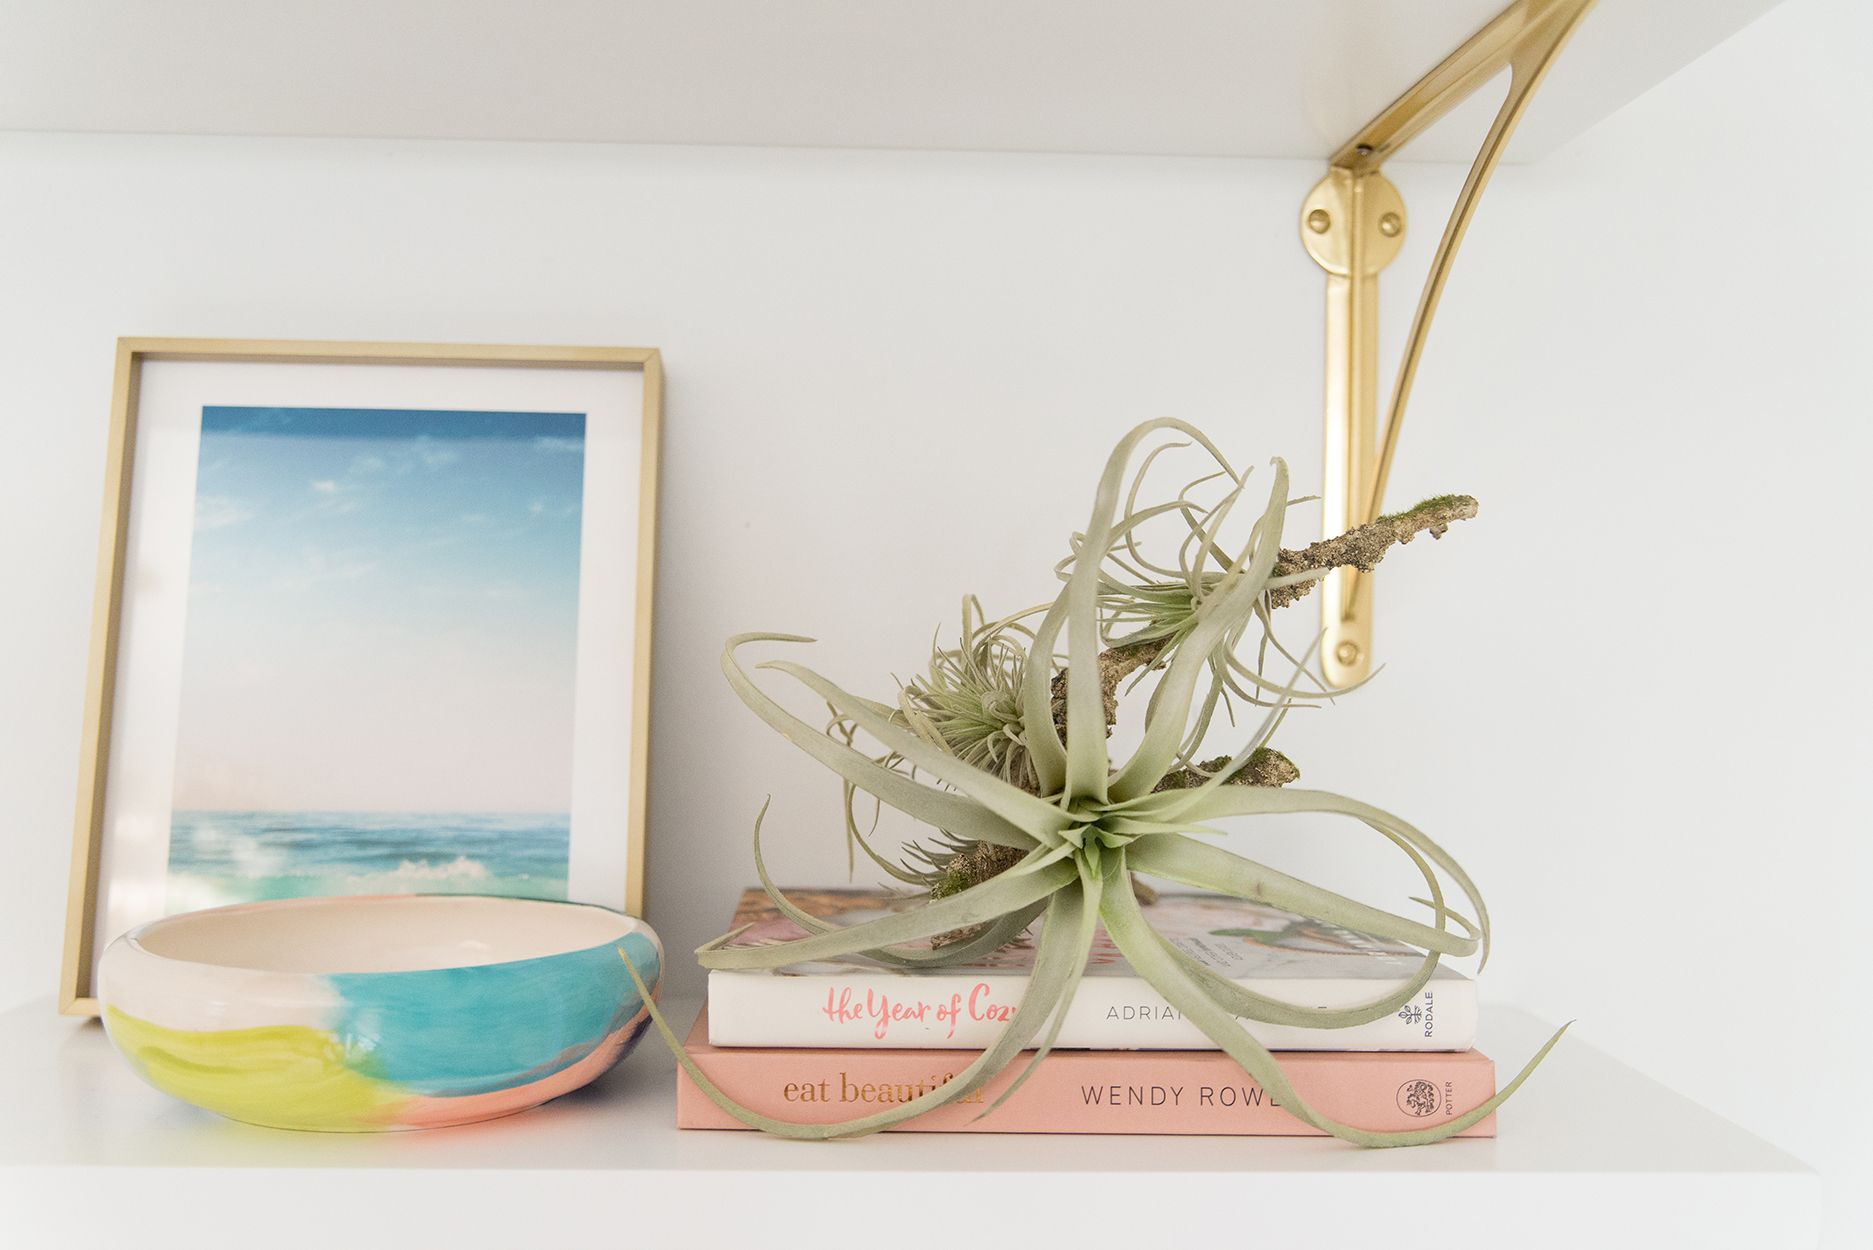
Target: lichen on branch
x=1363 y=547
x=1264 y=767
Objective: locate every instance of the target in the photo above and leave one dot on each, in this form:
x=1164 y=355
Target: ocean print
x=379 y=655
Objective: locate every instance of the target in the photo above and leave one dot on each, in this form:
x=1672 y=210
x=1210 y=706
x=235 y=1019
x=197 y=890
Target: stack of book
x=836 y=1040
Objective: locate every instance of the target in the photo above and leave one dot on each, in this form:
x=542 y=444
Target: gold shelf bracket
x=1353 y=224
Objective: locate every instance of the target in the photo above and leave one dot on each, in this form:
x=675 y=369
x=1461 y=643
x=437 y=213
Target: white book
x=858 y=1002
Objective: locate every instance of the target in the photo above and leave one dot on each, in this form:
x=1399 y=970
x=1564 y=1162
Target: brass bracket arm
x=1353 y=223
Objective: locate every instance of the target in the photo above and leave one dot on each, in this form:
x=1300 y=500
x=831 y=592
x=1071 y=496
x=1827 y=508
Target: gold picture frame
x=92 y=838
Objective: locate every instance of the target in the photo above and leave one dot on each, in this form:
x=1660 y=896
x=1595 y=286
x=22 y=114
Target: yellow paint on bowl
x=281 y=1076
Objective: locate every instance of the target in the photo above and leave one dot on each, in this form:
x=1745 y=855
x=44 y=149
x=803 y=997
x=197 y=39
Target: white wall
x=1630 y=696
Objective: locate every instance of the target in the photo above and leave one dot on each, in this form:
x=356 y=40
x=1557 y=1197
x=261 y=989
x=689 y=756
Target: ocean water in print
x=218 y=858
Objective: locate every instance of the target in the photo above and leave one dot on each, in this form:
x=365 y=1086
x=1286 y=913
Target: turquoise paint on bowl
x=453 y=1031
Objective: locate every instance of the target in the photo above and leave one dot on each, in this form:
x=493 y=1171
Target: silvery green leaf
x=1139 y=943
x=1040 y=821
x=1086 y=718
x=1053 y=964
x=979 y=904
x=1246 y=1004
x=1189 y=862
x=998 y=935
x=1083 y=901
x=1157 y=751
x=954 y=812
x=1261 y=800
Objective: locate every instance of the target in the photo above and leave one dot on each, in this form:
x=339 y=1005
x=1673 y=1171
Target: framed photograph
x=371 y=618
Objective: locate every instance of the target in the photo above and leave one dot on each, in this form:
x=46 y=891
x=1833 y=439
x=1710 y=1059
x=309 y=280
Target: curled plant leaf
x=989 y=753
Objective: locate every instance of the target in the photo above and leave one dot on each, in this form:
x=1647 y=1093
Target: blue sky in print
x=383 y=611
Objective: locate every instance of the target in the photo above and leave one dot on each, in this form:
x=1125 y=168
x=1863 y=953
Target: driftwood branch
x=1115 y=665
x=1360 y=548
x=1264 y=767
x=1364 y=547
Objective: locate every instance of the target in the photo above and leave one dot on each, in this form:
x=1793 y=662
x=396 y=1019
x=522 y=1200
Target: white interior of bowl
x=404 y=934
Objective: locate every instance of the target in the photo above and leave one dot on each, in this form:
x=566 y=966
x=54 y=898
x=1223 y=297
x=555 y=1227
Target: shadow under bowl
x=368 y=1013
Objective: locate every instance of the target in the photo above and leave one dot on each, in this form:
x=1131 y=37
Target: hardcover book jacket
x=858 y=1002
x=1089 y=1091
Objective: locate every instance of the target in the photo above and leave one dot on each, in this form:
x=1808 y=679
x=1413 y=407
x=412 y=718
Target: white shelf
x=1590 y=1153
x=1255 y=78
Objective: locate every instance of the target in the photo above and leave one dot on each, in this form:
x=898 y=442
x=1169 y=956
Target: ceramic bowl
x=359 y=1014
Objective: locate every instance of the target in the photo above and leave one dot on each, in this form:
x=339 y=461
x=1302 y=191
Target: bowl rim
x=132 y=938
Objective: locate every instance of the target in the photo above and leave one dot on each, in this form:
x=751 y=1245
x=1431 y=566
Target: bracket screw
x=1347 y=653
x=1319 y=220
x=1390 y=225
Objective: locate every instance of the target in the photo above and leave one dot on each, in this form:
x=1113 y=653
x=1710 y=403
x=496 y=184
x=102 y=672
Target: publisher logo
x=1417 y=1098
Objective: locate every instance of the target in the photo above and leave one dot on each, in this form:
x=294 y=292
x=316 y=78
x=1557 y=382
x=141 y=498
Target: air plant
x=1034 y=819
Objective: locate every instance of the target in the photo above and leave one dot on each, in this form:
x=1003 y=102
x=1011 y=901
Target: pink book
x=1090 y=1091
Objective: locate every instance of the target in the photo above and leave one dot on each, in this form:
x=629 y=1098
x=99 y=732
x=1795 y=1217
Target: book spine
x=1133 y=1092
x=886 y=1011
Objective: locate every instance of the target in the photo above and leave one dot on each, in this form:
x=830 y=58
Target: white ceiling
x=1268 y=78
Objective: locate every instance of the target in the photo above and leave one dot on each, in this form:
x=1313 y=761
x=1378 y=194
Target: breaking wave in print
x=218 y=858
